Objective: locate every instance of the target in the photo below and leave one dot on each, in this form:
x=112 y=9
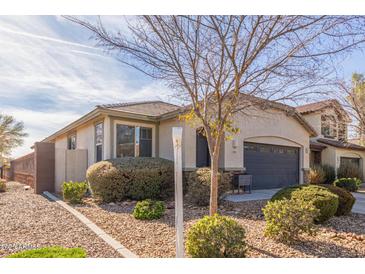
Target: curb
x=117 y=246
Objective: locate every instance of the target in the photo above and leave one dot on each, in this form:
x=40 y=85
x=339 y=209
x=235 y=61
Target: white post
x=179 y=220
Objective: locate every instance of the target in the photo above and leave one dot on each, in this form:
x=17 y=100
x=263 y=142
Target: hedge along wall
x=35 y=169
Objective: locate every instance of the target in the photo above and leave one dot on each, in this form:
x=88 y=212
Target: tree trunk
x=214 y=184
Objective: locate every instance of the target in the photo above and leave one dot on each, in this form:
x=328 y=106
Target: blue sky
x=51 y=74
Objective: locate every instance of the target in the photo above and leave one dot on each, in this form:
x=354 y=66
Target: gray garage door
x=271 y=166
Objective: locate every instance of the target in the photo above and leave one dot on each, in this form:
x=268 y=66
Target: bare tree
x=11 y=135
x=220 y=65
x=352 y=98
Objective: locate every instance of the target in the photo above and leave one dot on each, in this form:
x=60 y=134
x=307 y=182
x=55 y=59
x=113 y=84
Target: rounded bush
x=136 y=178
x=2 y=185
x=350 y=184
x=149 y=210
x=345 y=199
x=287 y=219
x=322 y=198
x=198 y=186
x=216 y=237
x=73 y=192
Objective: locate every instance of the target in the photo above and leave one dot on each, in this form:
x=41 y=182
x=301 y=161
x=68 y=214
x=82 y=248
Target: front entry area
x=271 y=166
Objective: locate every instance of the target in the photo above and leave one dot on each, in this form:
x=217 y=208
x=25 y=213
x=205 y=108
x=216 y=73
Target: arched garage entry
x=272 y=165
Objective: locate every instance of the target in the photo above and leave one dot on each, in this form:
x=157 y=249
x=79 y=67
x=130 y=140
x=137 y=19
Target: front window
x=99 y=136
x=133 y=141
x=329 y=126
x=71 y=142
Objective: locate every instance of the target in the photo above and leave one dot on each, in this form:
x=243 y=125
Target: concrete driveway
x=266 y=194
x=262 y=194
x=359 y=206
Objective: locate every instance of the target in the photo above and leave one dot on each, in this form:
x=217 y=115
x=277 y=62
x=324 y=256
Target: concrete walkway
x=262 y=194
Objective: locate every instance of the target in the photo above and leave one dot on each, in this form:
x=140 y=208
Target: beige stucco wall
x=74 y=167
x=314 y=119
x=166 y=149
x=352 y=154
x=85 y=137
x=332 y=156
x=271 y=127
x=60 y=168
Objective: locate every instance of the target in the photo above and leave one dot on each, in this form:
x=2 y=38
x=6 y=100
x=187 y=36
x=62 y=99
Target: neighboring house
x=272 y=145
x=331 y=146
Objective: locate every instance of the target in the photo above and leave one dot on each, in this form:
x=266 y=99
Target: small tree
x=222 y=65
x=352 y=96
x=11 y=135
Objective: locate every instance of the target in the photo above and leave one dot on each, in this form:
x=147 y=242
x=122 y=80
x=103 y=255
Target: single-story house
x=276 y=143
x=273 y=143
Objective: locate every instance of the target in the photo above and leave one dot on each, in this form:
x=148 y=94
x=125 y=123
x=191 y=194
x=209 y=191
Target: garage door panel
x=272 y=166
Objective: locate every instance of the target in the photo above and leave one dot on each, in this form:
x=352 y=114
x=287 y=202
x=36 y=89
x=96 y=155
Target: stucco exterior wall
x=352 y=154
x=329 y=156
x=166 y=149
x=271 y=127
x=85 y=137
x=314 y=119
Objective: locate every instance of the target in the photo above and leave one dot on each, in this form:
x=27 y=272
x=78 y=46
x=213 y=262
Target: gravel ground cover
x=340 y=237
x=28 y=221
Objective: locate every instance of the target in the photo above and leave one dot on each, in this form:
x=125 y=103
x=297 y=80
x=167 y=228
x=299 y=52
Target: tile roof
x=148 y=108
x=312 y=107
x=340 y=144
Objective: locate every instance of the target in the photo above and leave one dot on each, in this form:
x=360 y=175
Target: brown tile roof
x=148 y=108
x=317 y=106
x=312 y=107
x=341 y=144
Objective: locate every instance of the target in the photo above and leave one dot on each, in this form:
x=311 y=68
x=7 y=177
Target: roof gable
x=148 y=108
x=321 y=105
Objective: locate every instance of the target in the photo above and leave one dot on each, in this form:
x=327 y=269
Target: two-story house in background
x=331 y=145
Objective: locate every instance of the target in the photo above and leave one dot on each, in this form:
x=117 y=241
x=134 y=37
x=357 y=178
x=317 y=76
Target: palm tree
x=11 y=135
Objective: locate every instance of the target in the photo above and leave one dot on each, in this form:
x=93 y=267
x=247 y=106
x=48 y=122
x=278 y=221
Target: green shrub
x=198 y=186
x=149 y=210
x=287 y=219
x=136 y=178
x=2 y=185
x=349 y=171
x=350 y=184
x=316 y=175
x=51 y=252
x=216 y=237
x=330 y=174
x=322 y=198
x=345 y=199
x=73 y=192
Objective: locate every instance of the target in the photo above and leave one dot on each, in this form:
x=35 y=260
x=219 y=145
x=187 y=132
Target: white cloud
x=50 y=74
